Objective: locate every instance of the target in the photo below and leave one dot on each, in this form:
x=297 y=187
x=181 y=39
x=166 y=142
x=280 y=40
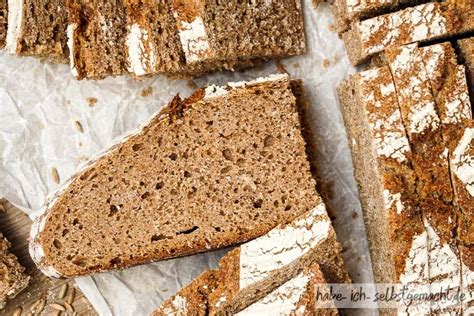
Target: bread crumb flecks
x=326 y=63
x=336 y=59
x=55 y=175
x=79 y=126
x=281 y=68
x=146 y=92
x=296 y=65
x=91 y=101
x=191 y=84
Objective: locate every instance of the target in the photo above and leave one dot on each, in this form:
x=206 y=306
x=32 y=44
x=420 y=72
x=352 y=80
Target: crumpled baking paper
x=49 y=120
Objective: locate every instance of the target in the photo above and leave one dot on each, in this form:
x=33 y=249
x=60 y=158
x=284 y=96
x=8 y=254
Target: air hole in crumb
x=227 y=154
x=288 y=207
x=209 y=123
x=65 y=232
x=268 y=141
x=57 y=244
x=226 y=169
x=142 y=184
x=187 y=174
x=137 y=147
x=187 y=231
x=145 y=195
x=79 y=261
x=113 y=210
x=174 y=192
x=173 y=156
x=69 y=257
x=157 y=237
x=75 y=221
x=159 y=185
x=258 y=203
x=217 y=229
x=115 y=261
x=240 y=162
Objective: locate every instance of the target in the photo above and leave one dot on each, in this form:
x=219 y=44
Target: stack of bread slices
x=143 y=37
x=411 y=133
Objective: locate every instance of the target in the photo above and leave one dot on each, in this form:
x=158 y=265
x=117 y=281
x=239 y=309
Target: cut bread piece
x=295 y=297
x=260 y=271
x=13 y=280
x=216 y=169
x=431 y=164
x=349 y=11
x=3 y=22
x=414 y=24
x=382 y=166
x=466 y=49
x=450 y=91
x=192 y=299
x=37 y=28
x=192 y=37
x=96 y=38
x=258 y=267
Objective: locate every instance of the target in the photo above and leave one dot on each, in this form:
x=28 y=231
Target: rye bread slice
x=37 y=28
x=96 y=38
x=424 y=22
x=258 y=271
x=221 y=167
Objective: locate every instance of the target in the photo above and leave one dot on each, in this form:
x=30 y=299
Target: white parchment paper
x=42 y=106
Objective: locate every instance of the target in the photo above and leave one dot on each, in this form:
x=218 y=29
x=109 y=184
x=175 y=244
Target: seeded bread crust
x=466 y=48
x=59 y=254
x=382 y=166
x=3 y=22
x=414 y=24
x=13 y=280
x=96 y=36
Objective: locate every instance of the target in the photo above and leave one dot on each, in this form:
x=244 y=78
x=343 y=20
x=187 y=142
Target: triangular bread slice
x=224 y=166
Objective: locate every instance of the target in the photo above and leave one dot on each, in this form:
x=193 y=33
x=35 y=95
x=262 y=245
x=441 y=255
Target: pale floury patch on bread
x=255 y=199
x=413 y=24
x=37 y=28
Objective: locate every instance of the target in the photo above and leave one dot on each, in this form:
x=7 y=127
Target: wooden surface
x=15 y=226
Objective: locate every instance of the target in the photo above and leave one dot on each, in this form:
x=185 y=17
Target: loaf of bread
x=216 y=169
x=258 y=271
x=37 y=28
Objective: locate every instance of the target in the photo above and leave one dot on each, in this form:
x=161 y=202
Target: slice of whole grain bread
x=223 y=166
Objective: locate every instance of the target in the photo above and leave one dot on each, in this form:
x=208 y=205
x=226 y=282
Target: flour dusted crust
x=192 y=30
x=263 y=264
x=420 y=23
x=268 y=273
x=466 y=50
x=13 y=280
x=449 y=86
x=3 y=22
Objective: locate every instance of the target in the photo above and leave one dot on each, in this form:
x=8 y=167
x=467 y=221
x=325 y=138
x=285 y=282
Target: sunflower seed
x=57 y=306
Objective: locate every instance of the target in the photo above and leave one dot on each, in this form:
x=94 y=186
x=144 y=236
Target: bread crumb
x=192 y=85
x=146 y=92
x=281 y=68
x=336 y=59
x=316 y=3
x=354 y=215
x=296 y=65
x=91 y=101
x=79 y=126
x=55 y=175
x=326 y=63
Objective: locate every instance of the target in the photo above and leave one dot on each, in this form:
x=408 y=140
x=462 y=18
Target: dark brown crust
x=3 y=22
x=466 y=50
